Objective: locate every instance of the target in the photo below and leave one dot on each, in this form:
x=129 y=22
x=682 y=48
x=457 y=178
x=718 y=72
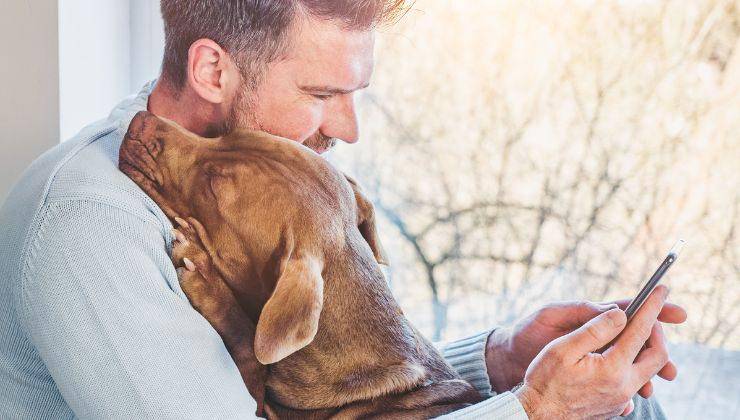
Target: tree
x=523 y=154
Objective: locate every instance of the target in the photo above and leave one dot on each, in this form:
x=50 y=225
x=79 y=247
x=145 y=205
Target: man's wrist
x=498 y=363
x=537 y=406
x=529 y=399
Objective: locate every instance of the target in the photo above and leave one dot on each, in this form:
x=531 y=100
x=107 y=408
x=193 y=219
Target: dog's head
x=275 y=213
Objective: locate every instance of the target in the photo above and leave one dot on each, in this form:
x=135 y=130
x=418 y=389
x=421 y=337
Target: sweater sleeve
x=103 y=309
x=504 y=406
x=467 y=357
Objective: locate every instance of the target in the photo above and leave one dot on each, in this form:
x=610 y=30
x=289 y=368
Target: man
x=93 y=321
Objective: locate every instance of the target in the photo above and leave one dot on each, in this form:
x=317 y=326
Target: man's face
x=309 y=96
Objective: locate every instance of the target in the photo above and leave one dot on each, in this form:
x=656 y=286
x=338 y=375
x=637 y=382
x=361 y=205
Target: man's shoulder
x=88 y=175
x=84 y=167
x=89 y=170
x=83 y=170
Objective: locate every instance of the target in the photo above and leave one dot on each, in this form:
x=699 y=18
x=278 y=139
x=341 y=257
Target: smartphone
x=648 y=288
x=650 y=285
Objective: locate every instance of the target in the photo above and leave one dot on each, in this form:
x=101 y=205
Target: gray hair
x=253 y=32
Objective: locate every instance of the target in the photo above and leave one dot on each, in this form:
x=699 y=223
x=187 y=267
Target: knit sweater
x=93 y=323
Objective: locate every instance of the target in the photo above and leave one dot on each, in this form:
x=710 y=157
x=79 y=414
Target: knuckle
x=624 y=394
x=594 y=332
x=614 y=381
x=584 y=307
x=642 y=331
x=557 y=353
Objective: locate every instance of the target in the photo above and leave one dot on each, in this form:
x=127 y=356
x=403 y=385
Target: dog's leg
x=276 y=411
x=428 y=401
x=420 y=413
x=210 y=295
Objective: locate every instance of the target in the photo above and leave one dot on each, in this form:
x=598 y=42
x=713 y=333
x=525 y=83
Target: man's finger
x=669 y=371
x=670 y=314
x=656 y=340
x=594 y=334
x=649 y=363
x=570 y=315
x=647 y=390
x=628 y=409
x=586 y=311
x=653 y=358
x=631 y=341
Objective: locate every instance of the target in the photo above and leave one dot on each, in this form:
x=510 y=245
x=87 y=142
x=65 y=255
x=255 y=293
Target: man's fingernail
x=182 y=222
x=188 y=264
x=616 y=317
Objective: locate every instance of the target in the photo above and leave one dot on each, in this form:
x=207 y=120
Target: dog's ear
x=366 y=222
x=290 y=318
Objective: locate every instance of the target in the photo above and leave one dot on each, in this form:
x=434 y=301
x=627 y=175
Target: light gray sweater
x=93 y=323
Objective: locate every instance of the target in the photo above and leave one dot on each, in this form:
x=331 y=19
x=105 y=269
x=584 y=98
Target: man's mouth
x=320 y=143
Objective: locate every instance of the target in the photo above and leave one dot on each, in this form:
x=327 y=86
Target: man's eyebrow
x=331 y=89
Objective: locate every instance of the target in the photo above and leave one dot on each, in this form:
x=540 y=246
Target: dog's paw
x=187 y=249
x=194 y=265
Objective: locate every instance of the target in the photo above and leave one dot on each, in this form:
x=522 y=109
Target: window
x=107 y=50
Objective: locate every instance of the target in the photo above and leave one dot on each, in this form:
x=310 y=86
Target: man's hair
x=253 y=32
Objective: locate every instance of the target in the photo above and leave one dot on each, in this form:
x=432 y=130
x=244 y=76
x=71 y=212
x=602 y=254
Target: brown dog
x=286 y=270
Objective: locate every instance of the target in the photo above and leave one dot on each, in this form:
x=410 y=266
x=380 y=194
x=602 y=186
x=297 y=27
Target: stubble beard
x=242 y=115
x=320 y=143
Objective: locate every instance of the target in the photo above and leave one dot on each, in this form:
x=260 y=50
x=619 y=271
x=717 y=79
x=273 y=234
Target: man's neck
x=185 y=108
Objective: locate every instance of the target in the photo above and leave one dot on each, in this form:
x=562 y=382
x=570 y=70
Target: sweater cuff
x=505 y=406
x=467 y=357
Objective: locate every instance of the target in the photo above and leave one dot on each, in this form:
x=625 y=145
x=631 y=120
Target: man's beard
x=241 y=110
x=242 y=116
x=320 y=143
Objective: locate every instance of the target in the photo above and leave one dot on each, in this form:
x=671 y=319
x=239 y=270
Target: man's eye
x=322 y=97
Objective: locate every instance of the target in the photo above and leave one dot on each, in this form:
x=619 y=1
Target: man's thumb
x=585 y=311
x=597 y=332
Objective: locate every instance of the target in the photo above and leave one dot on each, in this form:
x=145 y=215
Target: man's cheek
x=299 y=126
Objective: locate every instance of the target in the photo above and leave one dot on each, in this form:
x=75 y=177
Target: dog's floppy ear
x=366 y=222
x=290 y=318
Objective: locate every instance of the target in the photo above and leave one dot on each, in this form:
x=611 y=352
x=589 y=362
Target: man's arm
x=468 y=357
x=103 y=308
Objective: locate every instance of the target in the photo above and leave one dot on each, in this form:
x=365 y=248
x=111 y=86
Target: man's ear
x=366 y=222
x=290 y=318
x=211 y=72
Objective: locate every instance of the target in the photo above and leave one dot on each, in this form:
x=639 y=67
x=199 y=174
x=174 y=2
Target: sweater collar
x=124 y=112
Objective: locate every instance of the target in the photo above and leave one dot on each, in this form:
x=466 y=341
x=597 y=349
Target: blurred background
x=521 y=152
x=518 y=152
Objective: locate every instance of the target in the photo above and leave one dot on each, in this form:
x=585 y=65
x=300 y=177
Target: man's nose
x=340 y=120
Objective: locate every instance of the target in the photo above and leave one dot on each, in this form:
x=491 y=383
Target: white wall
x=94 y=60
x=107 y=50
x=147 y=41
x=65 y=64
x=29 y=91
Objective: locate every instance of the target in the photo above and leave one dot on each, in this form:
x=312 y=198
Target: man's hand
x=568 y=380
x=510 y=351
